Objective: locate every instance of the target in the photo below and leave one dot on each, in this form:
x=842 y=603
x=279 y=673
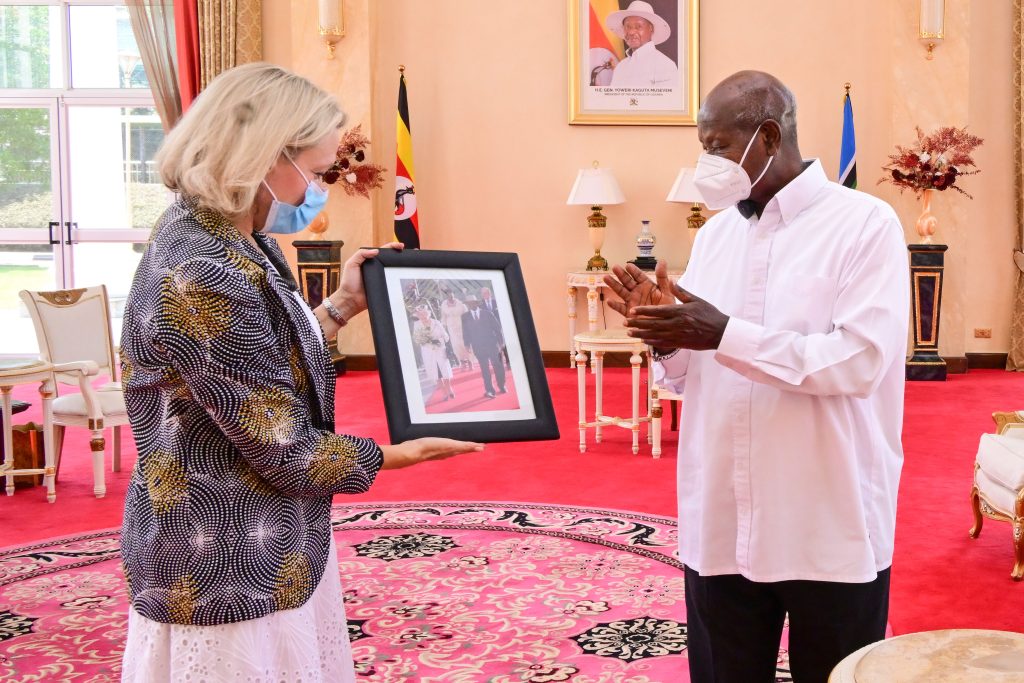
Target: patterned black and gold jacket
x=230 y=392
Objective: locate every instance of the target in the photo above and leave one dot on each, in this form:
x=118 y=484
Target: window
x=79 y=191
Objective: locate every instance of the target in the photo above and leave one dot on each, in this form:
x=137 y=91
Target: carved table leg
x=572 y=325
x=50 y=470
x=581 y=376
x=592 y=308
x=634 y=361
x=650 y=394
x=597 y=361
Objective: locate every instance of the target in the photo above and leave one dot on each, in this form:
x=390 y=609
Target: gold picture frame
x=600 y=96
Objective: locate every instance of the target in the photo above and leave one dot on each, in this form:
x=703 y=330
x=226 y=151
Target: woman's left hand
x=350 y=298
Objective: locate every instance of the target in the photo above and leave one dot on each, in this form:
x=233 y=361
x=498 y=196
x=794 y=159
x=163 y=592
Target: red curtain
x=186 y=21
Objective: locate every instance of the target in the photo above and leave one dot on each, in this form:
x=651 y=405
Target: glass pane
x=114 y=182
x=26 y=197
x=103 y=49
x=30 y=54
x=22 y=266
x=110 y=264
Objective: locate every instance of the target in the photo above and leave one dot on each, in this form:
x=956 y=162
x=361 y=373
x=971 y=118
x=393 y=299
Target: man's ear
x=772 y=133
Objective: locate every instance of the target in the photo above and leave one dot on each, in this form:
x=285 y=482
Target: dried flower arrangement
x=350 y=166
x=935 y=162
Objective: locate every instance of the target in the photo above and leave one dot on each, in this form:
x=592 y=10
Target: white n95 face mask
x=722 y=182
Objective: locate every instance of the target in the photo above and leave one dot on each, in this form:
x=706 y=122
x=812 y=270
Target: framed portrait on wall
x=456 y=347
x=633 y=62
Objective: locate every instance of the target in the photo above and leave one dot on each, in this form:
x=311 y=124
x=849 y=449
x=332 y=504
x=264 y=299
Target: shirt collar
x=642 y=48
x=795 y=196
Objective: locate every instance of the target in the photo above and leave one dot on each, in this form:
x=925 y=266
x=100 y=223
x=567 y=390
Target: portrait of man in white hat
x=644 y=66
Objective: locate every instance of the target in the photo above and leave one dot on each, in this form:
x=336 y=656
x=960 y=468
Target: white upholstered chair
x=73 y=325
x=998 y=490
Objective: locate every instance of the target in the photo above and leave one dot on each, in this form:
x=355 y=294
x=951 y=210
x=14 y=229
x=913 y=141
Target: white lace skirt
x=308 y=644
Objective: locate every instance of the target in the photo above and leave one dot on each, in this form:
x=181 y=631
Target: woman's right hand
x=408 y=453
x=349 y=298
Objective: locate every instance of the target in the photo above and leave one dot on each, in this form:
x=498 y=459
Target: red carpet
x=470 y=395
x=941 y=578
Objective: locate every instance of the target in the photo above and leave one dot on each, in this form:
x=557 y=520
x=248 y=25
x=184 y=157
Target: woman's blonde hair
x=235 y=131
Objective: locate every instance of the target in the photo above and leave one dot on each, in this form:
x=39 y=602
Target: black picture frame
x=534 y=417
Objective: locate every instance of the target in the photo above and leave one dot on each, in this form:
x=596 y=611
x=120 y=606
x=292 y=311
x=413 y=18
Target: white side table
x=597 y=344
x=28 y=371
x=593 y=281
x=961 y=655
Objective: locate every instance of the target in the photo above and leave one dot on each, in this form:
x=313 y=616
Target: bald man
x=787 y=338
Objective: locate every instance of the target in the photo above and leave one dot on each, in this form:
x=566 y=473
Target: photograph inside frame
x=633 y=61
x=462 y=359
x=456 y=346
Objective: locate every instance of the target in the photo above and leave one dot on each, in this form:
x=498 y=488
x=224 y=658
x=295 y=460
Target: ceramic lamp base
x=596 y=222
x=597 y=262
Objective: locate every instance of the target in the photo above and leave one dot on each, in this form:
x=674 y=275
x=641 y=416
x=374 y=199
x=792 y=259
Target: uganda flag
x=606 y=48
x=407 y=222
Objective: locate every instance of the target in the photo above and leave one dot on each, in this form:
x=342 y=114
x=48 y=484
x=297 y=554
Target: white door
x=78 y=189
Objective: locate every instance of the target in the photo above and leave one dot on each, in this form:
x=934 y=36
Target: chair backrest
x=73 y=325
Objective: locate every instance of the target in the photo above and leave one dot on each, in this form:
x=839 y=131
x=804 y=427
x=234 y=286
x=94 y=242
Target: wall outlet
x=982 y=332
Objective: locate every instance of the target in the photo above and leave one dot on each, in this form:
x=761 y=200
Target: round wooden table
x=15 y=371
x=949 y=656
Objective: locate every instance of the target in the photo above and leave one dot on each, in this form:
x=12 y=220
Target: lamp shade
x=595 y=187
x=684 y=190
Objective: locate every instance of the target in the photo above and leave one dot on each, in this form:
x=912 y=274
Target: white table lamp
x=596 y=187
x=685 y=191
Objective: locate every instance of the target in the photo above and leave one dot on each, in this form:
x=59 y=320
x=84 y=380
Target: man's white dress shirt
x=789 y=445
x=645 y=67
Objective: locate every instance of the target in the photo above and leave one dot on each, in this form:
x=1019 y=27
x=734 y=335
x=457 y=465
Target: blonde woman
x=430 y=335
x=227 y=543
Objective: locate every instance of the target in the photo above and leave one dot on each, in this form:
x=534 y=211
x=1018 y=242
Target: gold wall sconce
x=330 y=24
x=933 y=24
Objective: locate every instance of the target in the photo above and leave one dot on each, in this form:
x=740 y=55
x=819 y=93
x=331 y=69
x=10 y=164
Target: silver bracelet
x=333 y=312
x=660 y=357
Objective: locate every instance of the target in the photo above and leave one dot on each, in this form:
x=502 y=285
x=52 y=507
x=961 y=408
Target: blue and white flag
x=848 y=151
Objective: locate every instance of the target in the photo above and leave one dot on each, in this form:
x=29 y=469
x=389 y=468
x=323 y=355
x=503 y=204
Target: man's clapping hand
x=663 y=314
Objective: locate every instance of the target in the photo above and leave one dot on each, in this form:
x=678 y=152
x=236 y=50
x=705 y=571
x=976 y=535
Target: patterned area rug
x=453 y=592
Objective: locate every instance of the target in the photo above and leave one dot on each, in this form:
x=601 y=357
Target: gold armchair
x=998 y=490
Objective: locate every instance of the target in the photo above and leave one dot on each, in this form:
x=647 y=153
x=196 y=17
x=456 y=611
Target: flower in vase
x=350 y=164
x=934 y=162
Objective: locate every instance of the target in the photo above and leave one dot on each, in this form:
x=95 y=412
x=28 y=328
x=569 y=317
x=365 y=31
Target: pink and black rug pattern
x=452 y=592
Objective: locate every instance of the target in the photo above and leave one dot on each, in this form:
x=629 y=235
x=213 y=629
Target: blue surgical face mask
x=286 y=219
